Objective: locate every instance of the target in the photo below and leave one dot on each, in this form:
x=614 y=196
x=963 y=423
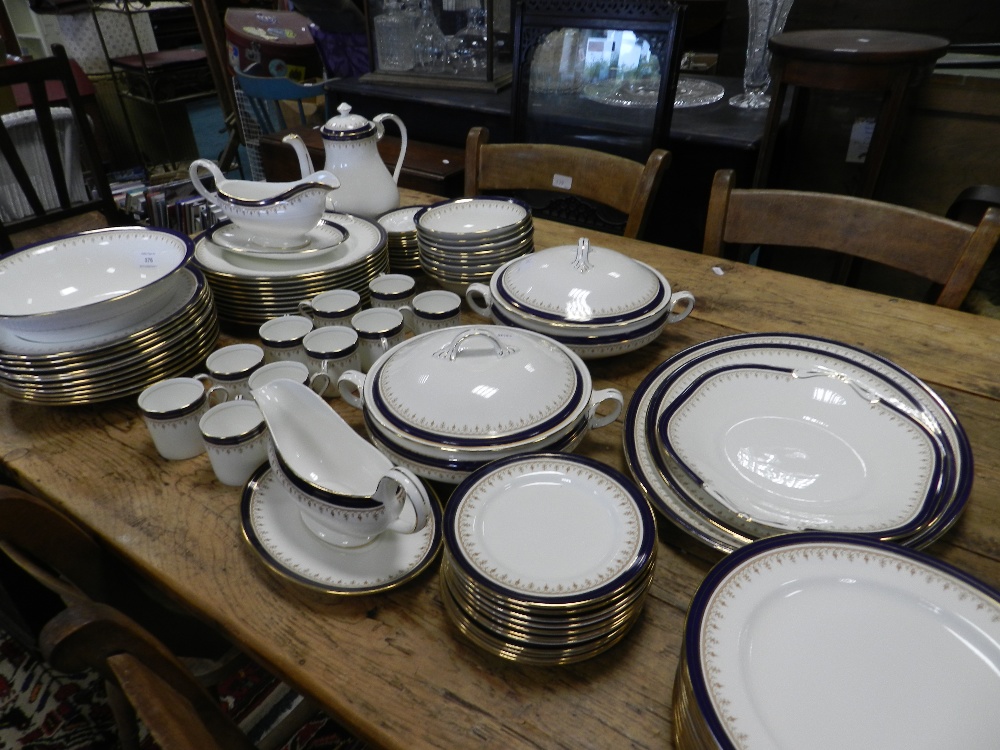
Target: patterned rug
x=41 y=709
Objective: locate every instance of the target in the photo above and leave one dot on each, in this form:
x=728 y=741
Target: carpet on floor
x=42 y=709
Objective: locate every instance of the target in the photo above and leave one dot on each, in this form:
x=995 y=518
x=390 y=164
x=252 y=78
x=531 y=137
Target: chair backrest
x=945 y=252
x=622 y=184
x=139 y=670
x=259 y=103
x=45 y=149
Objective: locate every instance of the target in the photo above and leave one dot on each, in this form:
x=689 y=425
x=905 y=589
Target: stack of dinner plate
x=548 y=558
x=404 y=252
x=100 y=315
x=466 y=239
x=822 y=641
x=254 y=284
x=755 y=435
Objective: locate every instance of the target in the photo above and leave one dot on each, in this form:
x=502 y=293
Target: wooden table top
x=390 y=666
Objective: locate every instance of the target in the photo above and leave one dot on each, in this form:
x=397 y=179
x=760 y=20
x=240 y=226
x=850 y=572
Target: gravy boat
x=273 y=214
x=348 y=492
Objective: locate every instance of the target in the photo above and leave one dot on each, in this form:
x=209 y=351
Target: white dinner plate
x=678 y=497
x=364 y=240
x=826 y=641
x=321 y=239
x=549 y=528
x=797 y=450
x=273 y=526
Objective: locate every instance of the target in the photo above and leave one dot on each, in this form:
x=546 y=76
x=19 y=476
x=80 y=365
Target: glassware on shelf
x=470 y=44
x=766 y=18
x=430 y=45
x=395 y=36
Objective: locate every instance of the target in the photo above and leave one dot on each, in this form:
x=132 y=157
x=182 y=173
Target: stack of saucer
x=548 y=558
x=250 y=289
x=465 y=240
x=404 y=254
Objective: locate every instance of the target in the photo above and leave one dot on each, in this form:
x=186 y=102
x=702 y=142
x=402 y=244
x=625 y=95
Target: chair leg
x=125 y=719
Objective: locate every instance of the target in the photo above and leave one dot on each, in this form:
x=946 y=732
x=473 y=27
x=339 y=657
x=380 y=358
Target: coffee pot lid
x=347 y=126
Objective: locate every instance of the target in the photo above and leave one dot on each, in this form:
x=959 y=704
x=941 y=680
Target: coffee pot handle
x=378 y=119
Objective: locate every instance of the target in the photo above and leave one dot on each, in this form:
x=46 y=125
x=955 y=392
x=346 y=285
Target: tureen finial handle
x=456 y=348
x=582 y=260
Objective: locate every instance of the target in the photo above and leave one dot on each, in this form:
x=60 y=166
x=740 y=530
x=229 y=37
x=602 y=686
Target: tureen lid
x=475 y=385
x=347 y=127
x=580 y=284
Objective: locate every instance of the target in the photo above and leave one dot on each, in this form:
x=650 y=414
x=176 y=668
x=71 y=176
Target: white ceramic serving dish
x=795 y=449
x=580 y=290
x=322 y=238
x=673 y=492
x=827 y=641
x=273 y=214
x=73 y=287
x=463 y=394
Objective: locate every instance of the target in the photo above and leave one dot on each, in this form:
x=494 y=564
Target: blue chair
x=258 y=100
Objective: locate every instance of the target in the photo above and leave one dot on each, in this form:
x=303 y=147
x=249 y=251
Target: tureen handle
x=610 y=395
x=582 y=260
x=456 y=348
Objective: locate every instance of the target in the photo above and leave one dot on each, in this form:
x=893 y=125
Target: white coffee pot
x=350 y=143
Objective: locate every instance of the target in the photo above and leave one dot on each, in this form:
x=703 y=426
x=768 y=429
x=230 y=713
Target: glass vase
x=766 y=18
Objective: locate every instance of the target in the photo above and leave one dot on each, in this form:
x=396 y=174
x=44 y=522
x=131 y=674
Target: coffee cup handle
x=320 y=382
x=218 y=390
x=416 y=496
x=407 y=312
x=473 y=292
x=351 y=385
x=305 y=308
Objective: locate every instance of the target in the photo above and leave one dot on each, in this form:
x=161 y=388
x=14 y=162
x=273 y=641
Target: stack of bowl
x=548 y=558
x=100 y=315
x=444 y=403
x=465 y=240
x=596 y=301
x=404 y=253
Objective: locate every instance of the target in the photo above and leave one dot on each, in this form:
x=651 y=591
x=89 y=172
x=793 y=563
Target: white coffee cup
x=282 y=338
x=391 y=290
x=230 y=368
x=235 y=438
x=331 y=350
x=289 y=370
x=379 y=329
x=331 y=308
x=432 y=310
x=171 y=409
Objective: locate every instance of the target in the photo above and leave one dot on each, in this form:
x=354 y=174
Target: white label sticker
x=861 y=138
x=562 y=181
x=147 y=259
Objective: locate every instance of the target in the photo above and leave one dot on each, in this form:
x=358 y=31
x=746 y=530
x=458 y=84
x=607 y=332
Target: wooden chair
x=44 y=190
x=142 y=676
x=94 y=623
x=947 y=253
x=627 y=186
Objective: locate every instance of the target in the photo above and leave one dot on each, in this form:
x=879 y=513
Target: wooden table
x=390 y=666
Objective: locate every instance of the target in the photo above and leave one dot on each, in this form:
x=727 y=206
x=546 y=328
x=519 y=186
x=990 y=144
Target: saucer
x=274 y=528
x=320 y=239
